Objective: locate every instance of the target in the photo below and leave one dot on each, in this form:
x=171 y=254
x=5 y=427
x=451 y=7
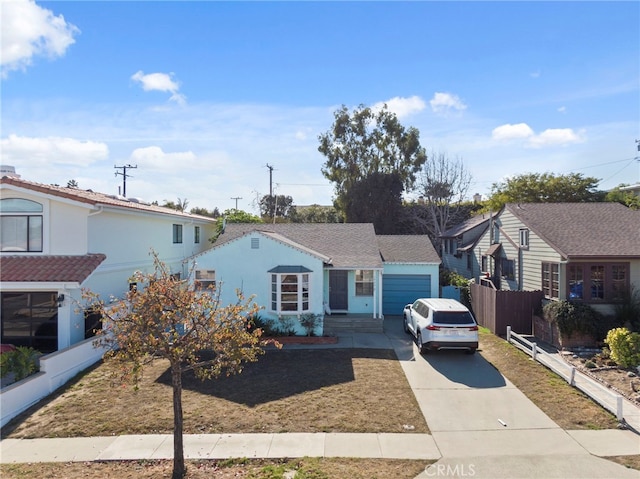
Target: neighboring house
x=635 y=189
x=458 y=242
x=294 y=269
x=588 y=252
x=55 y=241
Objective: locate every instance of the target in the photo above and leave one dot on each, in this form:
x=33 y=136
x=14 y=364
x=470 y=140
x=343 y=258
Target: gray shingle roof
x=583 y=229
x=349 y=245
x=466 y=225
x=407 y=249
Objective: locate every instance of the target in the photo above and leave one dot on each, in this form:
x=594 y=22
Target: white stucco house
x=326 y=269
x=57 y=240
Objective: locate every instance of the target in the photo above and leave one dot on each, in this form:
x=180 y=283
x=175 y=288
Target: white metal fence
x=604 y=396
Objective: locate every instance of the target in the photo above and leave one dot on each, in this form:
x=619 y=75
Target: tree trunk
x=178 y=445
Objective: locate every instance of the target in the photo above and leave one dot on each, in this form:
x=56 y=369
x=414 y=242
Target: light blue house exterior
x=293 y=270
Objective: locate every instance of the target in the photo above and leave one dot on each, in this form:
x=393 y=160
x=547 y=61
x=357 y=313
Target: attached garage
x=401 y=289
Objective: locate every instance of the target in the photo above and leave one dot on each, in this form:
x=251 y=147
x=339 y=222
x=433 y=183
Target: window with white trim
x=177 y=234
x=21 y=225
x=364 y=282
x=290 y=292
x=524 y=238
x=551 y=279
x=196 y=234
x=205 y=279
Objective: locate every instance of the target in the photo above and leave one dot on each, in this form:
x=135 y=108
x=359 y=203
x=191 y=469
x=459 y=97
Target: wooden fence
x=496 y=309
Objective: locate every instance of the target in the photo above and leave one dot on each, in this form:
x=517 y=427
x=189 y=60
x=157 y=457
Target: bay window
x=290 y=292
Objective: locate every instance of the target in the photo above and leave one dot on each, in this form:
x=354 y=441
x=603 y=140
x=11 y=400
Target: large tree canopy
x=376 y=199
x=544 y=188
x=366 y=141
x=276 y=206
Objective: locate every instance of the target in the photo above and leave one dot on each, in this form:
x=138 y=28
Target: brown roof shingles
x=583 y=229
x=20 y=268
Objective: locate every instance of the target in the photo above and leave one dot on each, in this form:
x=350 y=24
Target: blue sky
x=201 y=96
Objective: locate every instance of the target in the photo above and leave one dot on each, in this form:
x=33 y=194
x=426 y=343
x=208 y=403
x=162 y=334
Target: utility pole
x=124 y=176
x=236 y=198
x=270 y=179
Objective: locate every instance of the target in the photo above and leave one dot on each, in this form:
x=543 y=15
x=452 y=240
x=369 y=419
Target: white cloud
x=29 y=30
x=535 y=74
x=154 y=158
x=160 y=82
x=512 y=132
x=556 y=137
x=402 y=107
x=444 y=103
x=562 y=109
x=51 y=150
x=549 y=137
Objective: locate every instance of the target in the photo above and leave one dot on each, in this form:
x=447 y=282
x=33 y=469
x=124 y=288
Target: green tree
x=544 y=188
x=375 y=199
x=205 y=212
x=276 y=206
x=316 y=214
x=233 y=216
x=168 y=319
x=72 y=184
x=364 y=141
x=627 y=198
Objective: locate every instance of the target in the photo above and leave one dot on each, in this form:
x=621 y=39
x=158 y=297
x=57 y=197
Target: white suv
x=438 y=323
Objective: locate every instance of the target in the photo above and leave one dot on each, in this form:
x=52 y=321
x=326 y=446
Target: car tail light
x=431 y=327
x=473 y=328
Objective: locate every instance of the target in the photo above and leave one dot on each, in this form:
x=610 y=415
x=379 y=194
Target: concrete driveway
x=484 y=427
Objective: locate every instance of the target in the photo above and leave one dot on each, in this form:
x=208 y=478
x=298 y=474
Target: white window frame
x=31 y=233
x=524 y=238
x=205 y=279
x=177 y=232
x=364 y=281
x=281 y=301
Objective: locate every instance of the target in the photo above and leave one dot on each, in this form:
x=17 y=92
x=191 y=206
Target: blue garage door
x=401 y=289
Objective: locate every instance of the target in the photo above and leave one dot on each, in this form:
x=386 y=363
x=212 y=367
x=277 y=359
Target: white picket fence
x=55 y=370
x=604 y=396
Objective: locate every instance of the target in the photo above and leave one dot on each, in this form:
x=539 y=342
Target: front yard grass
x=332 y=390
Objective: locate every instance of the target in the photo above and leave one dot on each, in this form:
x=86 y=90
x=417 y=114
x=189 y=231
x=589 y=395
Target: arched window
x=21 y=225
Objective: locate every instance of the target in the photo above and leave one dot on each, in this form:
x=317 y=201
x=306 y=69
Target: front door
x=338 y=290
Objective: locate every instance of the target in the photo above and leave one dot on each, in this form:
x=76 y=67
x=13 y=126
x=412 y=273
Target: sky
x=203 y=96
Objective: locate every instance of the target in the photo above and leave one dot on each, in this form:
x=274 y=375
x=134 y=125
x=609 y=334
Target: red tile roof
x=94 y=198
x=14 y=268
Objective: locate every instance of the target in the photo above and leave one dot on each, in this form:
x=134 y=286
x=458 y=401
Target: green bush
x=22 y=362
x=624 y=346
x=309 y=321
x=628 y=310
x=574 y=317
x=450 y=278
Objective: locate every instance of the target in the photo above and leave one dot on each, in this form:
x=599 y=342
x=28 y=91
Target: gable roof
x=583 y=229
x=75 y=269
x=349 y=245
x=467 y=225
x=407 y=249
x=93 y=198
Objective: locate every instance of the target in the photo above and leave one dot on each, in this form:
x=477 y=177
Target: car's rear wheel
x=471 y=351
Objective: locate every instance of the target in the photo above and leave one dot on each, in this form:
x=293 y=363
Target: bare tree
x=443 y=183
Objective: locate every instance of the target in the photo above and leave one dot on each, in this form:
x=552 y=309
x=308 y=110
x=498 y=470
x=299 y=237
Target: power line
x=236 y=198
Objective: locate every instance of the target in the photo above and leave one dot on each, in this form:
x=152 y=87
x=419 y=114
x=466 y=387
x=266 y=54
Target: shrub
x=624 y=346
x=628 y=310
x=574 y=317
x=309 y=321
x=22 y=362
x=266 y=325
x=450 y=278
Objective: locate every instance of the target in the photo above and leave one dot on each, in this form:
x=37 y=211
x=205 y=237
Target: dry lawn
x=307 y=468
x=333 y=390
x=567 y=406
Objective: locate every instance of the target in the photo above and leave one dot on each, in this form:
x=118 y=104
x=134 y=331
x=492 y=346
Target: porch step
x=336 y=325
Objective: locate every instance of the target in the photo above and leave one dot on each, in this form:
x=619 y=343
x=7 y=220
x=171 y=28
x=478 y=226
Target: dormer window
x=21 y=225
